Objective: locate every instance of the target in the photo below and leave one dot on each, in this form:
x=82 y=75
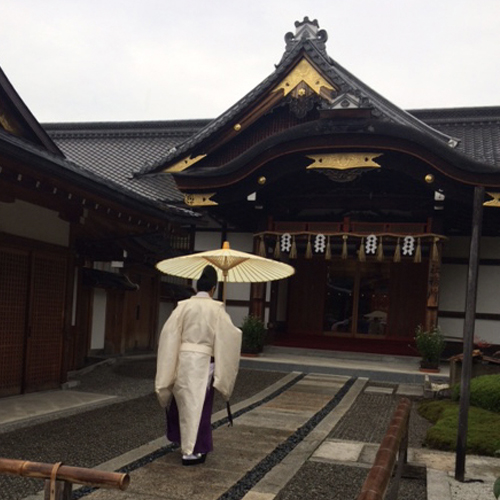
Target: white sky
x=107 y=60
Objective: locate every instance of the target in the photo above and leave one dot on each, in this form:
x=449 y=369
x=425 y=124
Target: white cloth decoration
x=286 y=242
x=320 y=243
x=371 y=245
x=408 y=245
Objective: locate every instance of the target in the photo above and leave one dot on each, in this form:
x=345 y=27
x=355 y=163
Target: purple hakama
x=204 y=442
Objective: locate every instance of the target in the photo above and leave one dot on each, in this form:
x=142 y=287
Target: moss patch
x=483 y=437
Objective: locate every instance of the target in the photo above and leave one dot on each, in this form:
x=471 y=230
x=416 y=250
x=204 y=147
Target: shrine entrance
x=352 y=299
x=352 y=290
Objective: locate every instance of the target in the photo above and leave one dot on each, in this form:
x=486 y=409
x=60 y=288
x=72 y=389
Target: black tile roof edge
x=27 y=116
x=333 y=70
x=72 y=172
x=460 y=160
x=126 y=124
x=458 y=115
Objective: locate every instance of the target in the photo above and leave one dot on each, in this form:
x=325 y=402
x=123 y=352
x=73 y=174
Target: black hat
x=207 y=280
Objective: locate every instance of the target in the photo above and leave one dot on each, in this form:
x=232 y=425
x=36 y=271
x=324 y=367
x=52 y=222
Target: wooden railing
x=394 y=447
x=60 y=478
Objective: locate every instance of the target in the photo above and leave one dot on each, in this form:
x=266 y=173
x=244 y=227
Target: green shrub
x=253 y=331
x=483 y=436
x=432 y=410
x=484 y=392
x=430 y=344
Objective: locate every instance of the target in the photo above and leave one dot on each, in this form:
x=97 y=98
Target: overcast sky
x=107 y=60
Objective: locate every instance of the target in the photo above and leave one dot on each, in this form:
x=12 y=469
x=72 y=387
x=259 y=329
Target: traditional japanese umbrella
x=232 y=266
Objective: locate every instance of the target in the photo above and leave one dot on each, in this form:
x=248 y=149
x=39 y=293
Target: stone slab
x=275 y=419
x=197 y=483
x=338 y=451
x=37 y=404
x=415 y=390
x=379 y=390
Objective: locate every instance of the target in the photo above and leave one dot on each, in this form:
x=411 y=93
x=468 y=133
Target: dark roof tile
x=116 y=151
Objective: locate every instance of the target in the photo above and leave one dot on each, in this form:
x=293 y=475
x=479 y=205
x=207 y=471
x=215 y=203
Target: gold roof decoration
x=199 y=199
x=344 y=161
x=495 y=202
x=305 y=72
x=184 y=163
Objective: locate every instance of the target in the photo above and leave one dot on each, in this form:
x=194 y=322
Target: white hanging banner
x=408 y=245
x=320 y=243
x=286 y=242
x=371 y=245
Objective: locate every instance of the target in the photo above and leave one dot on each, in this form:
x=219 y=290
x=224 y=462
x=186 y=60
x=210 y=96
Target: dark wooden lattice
x=45 y=338
x=14 y=276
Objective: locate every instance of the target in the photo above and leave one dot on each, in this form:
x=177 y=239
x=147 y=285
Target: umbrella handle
x=224 y=273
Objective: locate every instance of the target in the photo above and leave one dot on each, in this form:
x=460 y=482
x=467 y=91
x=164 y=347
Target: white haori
x=198 y=329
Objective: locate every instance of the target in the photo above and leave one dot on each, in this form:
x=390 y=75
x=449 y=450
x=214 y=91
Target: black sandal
x=195 y=461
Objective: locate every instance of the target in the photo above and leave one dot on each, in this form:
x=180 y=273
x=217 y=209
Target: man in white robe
x=197 y=342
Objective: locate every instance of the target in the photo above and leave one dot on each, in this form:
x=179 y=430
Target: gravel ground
x=370 y=415
x=366 y=421
x=104 y=432
x=322 y=481
x=100 y=434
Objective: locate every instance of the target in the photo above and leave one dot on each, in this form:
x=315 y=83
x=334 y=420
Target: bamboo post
x=60 y=477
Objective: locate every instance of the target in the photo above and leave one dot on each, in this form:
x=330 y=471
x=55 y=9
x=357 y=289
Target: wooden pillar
x=470 y=317
x=257 y=292
x=433 y=287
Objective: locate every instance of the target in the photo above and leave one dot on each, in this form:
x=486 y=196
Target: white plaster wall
x=488 y=330
x=490 y=248
x=453 y=328
x=452 y=287
x=457 y=246
x=207 y=241
x=241 y=241
x=454 y=284
x=237 y=291
x=32 y=221
x=237 y=314
x=164 y=312
x=98 y=319
x=488 y=297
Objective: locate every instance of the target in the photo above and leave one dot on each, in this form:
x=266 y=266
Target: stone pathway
x=257 y=456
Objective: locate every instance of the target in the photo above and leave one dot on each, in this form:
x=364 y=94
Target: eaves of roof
x=477 y=130
x=116 y=150
x=61 y=168
x=381 y=108
x=25 y=117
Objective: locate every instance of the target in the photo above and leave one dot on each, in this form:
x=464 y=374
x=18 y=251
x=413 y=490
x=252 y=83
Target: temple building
x=372 y=205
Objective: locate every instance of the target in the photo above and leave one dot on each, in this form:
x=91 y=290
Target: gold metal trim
x=495 y=202
x=344 y=161
x=185 y=163
x=199 y=199
x=303 y=72
x=5 y=123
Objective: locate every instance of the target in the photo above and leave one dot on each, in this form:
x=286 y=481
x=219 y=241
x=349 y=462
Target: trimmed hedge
x=484 y=392
x=483 y=436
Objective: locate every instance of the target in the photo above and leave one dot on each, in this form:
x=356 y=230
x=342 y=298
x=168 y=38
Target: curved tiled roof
x=478 y=130
x=309 y=43
x=117 y=150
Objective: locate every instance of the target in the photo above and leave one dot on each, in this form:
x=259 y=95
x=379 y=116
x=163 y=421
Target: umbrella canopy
x=231 y=265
